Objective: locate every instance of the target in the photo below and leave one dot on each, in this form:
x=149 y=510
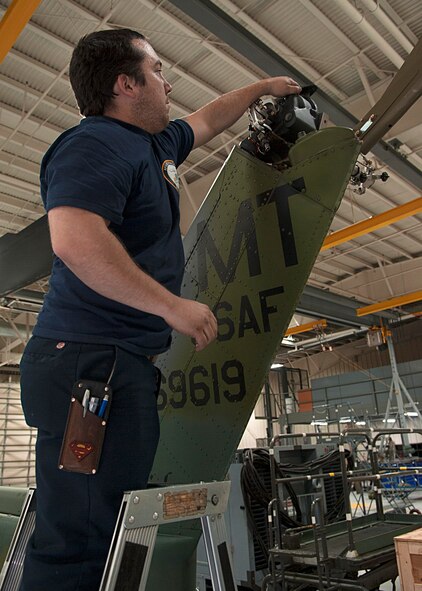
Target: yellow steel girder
x=306 y=327
x=409 y=298
x=14 y=20
x=374 y=223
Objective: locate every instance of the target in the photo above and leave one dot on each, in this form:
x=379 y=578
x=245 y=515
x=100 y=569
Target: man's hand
x=226 y=110
x=193 y=319
x=282 y=86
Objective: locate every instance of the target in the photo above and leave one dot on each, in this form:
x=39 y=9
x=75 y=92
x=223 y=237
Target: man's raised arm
x=210 y=120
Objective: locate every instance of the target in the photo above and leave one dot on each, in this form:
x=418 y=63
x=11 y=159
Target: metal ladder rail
x=11 y=572
x=140 y=515
x=143 y=511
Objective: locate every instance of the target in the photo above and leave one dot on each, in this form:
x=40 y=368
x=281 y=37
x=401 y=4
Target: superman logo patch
x=81 y=449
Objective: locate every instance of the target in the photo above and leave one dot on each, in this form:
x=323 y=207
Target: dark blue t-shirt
x=129 y=177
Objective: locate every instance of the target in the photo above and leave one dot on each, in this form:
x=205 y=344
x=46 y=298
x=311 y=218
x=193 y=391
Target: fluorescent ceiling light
x=411 y=414
x=360 y=423
x=276 y=365
x=345 y=420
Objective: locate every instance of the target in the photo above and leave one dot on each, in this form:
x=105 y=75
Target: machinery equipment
x=356 y=553
x=252 y=491
x=276 y=124
x=364 y=176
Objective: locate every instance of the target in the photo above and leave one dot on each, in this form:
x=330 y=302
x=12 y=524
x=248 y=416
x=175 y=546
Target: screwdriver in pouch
x=93 y=404
x=85 y=402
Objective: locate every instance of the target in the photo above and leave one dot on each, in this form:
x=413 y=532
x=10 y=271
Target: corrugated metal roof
x=323 y=42
x=409 y=11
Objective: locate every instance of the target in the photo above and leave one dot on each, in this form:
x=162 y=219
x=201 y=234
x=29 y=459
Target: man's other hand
x=193 y=319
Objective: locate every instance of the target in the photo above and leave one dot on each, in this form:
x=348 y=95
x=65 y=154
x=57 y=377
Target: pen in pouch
x=103 y=406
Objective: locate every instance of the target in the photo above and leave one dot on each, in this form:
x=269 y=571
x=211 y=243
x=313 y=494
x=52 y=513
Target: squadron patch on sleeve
x=170 y=173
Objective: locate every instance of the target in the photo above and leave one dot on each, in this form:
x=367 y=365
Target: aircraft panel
x=249 y=252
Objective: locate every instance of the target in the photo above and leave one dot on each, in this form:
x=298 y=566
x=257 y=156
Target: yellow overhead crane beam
x=306 y=327
x=13 y=22
x=409 y=298
x=374 y=223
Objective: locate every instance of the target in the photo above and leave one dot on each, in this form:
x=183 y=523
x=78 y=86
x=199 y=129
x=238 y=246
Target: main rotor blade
x=401 y=94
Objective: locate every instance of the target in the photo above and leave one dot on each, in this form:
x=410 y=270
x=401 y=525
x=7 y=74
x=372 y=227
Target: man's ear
x=124 y=85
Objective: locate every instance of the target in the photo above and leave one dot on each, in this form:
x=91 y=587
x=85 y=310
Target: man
x=391 y=450
x=110 y=186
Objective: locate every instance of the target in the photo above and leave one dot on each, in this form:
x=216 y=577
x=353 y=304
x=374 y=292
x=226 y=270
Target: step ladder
x=11 y=573
x=141 y=513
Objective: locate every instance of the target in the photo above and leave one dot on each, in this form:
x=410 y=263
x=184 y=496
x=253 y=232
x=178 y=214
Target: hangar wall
x=366 y=391
x=407 y=341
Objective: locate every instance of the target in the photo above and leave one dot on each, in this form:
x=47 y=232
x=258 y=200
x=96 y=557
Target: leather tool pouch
x=85 y=429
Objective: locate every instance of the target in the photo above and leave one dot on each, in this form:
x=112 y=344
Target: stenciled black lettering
x=177 y=384
x=266 y=310
x=215 y=386
x=199 y=390
x=162 y=395
x=224 y=322
x=244 y=229
x=233 y=374
x=280 y=196
x=196 y=385
x=247 y=318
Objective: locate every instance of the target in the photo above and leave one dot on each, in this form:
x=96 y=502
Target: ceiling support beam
x=60 y=74
x=25 y=257
x=326 y=338
x=409 y=298
x=365 y=81
x=385 y=277
x=281 y=47
x=11 y=181
x=356 y=51
x=315 y=325
x=358 y=19
x=341 y=310
x=253 y=49
x=347 y=223
x=13 y=22
x=383 y=18
x=332 y=258
x=372 y=224
x=399 y=22
x=192 y=34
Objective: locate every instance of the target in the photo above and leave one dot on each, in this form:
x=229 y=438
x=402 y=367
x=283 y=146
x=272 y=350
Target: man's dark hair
x=96 y=62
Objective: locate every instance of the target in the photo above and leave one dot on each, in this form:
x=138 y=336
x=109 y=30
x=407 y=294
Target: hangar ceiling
x=349 y=48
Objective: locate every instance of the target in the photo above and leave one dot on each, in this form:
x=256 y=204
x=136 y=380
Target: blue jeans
x=76 y=513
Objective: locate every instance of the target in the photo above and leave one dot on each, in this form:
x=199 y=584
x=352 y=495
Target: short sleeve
x=83 y=172
x=178 y=137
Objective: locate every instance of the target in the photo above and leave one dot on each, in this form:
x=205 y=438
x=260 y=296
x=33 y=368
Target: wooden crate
x=409 y=560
